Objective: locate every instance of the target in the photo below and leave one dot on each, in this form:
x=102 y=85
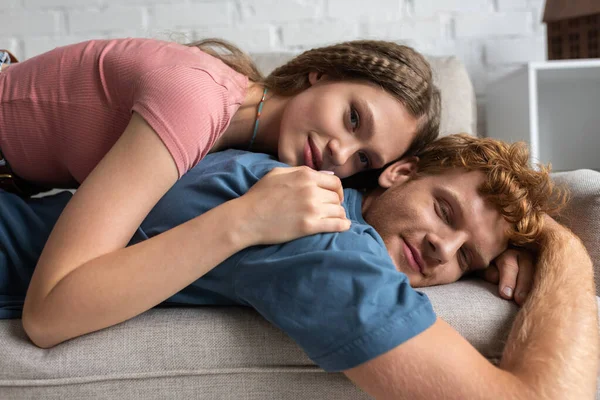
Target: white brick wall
x=429 y=7
x=103 y=20
x=383 y=10
x=497 y=24
x=492 y=37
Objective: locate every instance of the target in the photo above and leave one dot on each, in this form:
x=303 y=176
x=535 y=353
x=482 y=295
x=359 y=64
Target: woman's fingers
x=330 y=211
x=332 y=225
x=326 y=180
x=303 y=175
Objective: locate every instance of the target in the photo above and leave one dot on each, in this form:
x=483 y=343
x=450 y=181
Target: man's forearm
x=553 y=345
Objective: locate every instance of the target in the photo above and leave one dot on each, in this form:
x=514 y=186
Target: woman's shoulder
x=144 y=55
x=131 y=54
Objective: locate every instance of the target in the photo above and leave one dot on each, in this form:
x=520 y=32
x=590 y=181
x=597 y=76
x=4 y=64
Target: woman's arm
x=87 y=280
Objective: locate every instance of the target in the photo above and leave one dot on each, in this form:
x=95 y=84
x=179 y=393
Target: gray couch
x=231 y=352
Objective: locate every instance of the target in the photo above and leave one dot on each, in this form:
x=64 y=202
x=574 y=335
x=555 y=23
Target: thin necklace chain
x=258 y=111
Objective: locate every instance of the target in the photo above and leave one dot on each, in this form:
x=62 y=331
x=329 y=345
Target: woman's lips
x=312 y=155
x=308 y=156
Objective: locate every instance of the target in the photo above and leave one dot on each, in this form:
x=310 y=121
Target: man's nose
x=442 y=247
x=341 y=152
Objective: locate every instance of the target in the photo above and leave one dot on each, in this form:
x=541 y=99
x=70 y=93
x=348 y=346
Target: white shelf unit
x=555 y=107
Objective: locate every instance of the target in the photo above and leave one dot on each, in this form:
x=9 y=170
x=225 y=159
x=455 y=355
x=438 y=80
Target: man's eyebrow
x=474 y=250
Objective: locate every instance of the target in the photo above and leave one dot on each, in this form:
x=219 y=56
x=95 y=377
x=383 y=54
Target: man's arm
x=551 y=353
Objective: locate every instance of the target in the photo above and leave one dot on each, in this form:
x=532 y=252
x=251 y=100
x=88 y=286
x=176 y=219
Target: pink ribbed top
x=61 y=112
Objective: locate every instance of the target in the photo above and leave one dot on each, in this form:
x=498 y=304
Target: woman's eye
x=364 y=159
x=354 y=119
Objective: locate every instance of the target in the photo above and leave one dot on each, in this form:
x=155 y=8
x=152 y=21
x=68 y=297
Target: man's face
x=436 y=228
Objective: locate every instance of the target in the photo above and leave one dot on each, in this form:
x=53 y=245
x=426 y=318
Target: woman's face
x=344 y=126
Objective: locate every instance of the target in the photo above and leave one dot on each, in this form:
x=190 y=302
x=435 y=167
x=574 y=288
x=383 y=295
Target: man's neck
x=368 y=198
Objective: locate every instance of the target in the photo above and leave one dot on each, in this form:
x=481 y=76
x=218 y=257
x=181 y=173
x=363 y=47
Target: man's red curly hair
x=522 y=193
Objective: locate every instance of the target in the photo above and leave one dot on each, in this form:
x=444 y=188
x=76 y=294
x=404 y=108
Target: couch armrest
x=582 y=213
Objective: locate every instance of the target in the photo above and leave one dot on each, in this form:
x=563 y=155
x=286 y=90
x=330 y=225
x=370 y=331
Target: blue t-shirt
x=338 y=295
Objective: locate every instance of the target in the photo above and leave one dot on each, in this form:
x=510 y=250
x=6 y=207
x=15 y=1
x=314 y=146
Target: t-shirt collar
x=353 y=204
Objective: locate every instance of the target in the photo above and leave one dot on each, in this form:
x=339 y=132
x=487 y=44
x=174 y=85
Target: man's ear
x=314 y=77
x=398 y=172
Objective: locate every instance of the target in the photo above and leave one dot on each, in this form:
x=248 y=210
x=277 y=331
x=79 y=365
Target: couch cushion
x=459 y=106
x=206 y=340
x=474 y=308
x=582 y=214
x=217 y=351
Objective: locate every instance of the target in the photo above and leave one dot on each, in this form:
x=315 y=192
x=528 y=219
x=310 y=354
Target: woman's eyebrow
x=368 y=122
x=368 y=126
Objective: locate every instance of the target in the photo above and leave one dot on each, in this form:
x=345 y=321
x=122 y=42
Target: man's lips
x=312 y=155
x=413 y=257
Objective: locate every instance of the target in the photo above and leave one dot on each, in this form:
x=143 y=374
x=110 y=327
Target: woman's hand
x=289 y=203
x=513 y=270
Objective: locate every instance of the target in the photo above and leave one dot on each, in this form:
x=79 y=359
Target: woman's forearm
x=112 y=286
x=117 y=286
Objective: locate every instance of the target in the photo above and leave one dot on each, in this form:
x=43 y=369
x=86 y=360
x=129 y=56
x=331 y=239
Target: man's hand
x=513 y=271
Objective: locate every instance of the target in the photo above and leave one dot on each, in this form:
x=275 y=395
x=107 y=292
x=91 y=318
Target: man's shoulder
x=338 y=295
x=359 y=248
x=243 y=168
x=361 y=237
x=219 y=177
x=232 y=160
x=234 y=169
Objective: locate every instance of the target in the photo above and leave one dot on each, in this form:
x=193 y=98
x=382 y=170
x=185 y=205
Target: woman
x=122 y=120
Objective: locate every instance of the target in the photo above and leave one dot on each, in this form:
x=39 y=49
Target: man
x=347 y=298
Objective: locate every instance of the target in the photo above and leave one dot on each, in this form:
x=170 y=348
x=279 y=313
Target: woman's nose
x=341 y=152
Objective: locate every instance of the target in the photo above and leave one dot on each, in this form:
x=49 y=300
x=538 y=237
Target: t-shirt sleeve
x=342 y=307
x=186 y=107
x=220 y=177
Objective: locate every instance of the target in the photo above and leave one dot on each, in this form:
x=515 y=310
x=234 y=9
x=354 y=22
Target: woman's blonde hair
x=521 y=193
x=398 y=69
